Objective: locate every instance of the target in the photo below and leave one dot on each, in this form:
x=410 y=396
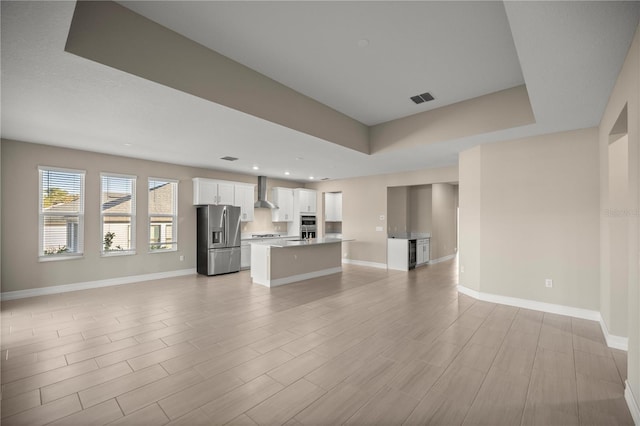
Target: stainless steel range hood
x=262 y=202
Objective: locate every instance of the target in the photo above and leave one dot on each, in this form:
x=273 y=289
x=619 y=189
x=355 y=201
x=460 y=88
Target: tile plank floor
x=365 y=346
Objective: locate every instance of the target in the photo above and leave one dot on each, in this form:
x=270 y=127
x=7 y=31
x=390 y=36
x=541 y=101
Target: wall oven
x=307 y=226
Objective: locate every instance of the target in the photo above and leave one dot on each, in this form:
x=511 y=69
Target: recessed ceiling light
x=287 y=173
x=311 y=177
x=363 y=42
x=126 y=144
x=228 y=158
x=256 y=168
x=299 y=158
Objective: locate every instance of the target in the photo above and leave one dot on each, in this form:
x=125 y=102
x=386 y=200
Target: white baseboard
x=32 y=292
x=442 y=259
x=632 y=403
x=532 y=304
x=365 y=263
x=300 y=277
x=613 y=341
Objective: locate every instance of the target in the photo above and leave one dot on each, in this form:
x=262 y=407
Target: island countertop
x=282 y=243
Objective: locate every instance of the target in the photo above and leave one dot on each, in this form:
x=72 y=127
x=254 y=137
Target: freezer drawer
x=222 y=261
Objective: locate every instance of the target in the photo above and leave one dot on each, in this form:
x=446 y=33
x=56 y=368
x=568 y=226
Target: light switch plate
x=379 y=228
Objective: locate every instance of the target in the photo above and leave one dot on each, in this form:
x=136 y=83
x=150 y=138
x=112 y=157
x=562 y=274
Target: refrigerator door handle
x=225 y=219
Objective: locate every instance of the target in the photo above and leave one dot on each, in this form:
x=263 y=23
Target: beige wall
x=398 y=214
x=626 y=92
x=616 y=215
x=20 y=266
x=496 y=111
x=420 y=209
x=111 y=34
x=470 y=218
x=364 y=201
x=443 y=230
x=538 y=207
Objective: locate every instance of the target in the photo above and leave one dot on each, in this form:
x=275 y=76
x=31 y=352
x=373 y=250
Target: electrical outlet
x=548 y=283
x=181 y=258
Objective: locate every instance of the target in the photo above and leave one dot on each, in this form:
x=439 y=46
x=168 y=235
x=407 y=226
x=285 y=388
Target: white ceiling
x=457 y=50
x=568 y=54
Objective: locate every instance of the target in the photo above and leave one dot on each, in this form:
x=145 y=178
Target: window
x=154 y=234
x=61 y=211
x=117 y=213
x=163 y=214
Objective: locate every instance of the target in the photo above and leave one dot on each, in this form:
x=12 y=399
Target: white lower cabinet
x=422 y=251
x=245 y=255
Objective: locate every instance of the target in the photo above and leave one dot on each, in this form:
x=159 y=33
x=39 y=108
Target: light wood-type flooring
x=367 y=346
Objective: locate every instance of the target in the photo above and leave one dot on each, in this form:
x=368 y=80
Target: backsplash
x=262 y=223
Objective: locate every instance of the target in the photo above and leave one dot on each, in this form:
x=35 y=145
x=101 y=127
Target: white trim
x=61 y=169
x=118 y=175
x=132 y=214
x=174 y=216
x=442 y=259
x=295 y=278
x=32 y=292
x=57 y=257
x=532 y=304
x=613 y=341
x=632 y=403
x=365 y=263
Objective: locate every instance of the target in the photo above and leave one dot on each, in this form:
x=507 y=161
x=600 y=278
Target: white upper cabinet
x=283 y=198
x=205 y=191
x=211 y=191
x=304 y=200
x=226 y=193
x=333 y=207
x=243 y=197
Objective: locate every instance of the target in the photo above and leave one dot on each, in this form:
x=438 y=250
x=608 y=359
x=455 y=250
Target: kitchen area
x=285 y=234
x=276 y=237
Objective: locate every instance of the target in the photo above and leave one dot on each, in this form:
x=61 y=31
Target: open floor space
x=365 y=346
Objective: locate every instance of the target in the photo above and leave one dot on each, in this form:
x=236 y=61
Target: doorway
x=618 y=214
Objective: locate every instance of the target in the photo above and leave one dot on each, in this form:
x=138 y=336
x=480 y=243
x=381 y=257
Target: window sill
x=117 y=253
x=171 y=250
x=56 y=258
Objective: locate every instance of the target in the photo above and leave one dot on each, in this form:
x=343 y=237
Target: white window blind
x=61 y=212
x=117 y=213
x=163 y=214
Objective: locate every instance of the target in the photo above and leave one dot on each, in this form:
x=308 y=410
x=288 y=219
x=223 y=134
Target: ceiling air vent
x=425 y=97
x=227 y=158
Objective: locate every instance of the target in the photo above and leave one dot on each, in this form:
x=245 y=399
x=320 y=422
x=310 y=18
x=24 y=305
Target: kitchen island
x=278 y=262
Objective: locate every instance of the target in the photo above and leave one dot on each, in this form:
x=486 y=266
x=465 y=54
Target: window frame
x=42 y=257
x=132 y=223
x=174 y=216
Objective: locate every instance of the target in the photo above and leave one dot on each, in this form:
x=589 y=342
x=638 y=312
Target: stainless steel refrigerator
x=218 y=239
